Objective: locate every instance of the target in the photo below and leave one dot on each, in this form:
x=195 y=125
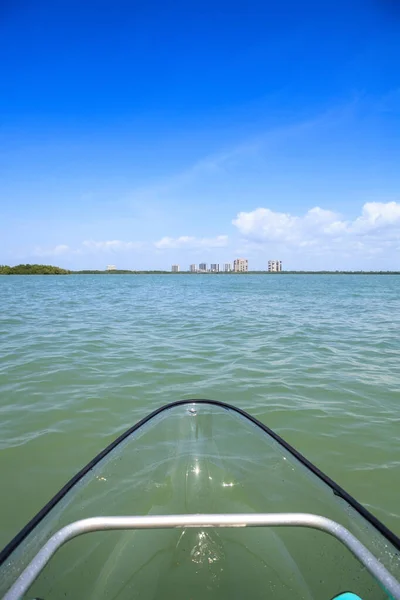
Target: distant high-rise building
x=274 y=266
x=193 y=268
x=111 y=268
x=175 y=268
x=227 y=267
x=203 y=267
x=214 y=268
x=241 y=265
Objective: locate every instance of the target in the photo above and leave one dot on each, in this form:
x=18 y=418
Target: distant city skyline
x=144 y=137
x=239 y=265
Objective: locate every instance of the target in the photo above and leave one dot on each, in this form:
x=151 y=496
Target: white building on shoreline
x=274 y=266
x=241 y=265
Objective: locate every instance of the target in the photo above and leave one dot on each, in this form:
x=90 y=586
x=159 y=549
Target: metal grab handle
x=28 y=576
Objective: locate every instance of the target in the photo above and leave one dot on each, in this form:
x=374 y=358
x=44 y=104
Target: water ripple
x=83 y=357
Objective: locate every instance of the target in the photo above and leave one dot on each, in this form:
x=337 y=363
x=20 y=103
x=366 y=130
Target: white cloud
x=111 y=245
x=264 y=224
x=376 y=216
x=189 y=242
x=61 y=249
x=119 y=246
x=56 y=251
x=89 y=246
x=375 y=231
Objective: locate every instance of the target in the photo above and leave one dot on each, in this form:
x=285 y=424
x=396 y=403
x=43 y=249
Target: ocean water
x=83 y=357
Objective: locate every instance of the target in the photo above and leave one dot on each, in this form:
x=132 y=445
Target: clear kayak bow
x=201 y=500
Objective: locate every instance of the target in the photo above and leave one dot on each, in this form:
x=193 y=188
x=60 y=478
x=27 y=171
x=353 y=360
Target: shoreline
x=223 y=273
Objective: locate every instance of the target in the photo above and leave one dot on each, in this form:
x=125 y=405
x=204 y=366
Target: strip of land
x=52 y=270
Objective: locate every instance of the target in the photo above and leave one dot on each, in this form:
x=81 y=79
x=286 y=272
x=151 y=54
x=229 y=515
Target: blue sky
x=144 y=134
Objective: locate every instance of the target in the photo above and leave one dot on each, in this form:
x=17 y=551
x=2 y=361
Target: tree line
x=32 y=270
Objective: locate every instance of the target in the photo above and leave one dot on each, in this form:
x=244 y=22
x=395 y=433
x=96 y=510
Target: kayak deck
x=194 y=459
x=26 y=579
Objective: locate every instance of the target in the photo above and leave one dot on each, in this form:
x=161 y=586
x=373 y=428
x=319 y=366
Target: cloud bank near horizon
x=375 y=232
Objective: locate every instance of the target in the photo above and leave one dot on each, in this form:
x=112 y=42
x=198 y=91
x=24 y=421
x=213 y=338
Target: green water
x=191 y=459
x=84 y=357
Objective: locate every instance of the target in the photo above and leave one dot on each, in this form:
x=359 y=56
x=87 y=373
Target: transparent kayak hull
x=201 y=457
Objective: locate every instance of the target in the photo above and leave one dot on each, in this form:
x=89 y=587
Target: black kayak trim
x=336 y=489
